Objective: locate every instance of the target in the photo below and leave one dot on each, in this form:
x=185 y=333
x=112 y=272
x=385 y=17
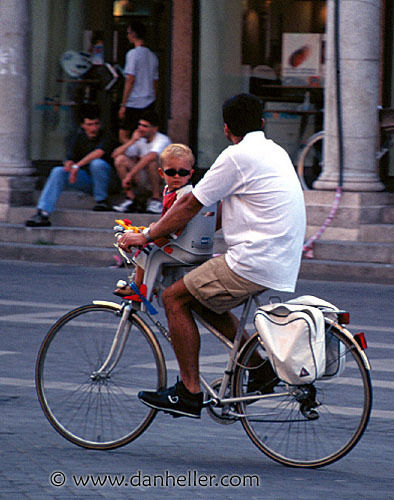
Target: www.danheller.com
x=191 y=479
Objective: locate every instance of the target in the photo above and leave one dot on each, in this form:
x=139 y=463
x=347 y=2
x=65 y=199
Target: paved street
x=35 y=460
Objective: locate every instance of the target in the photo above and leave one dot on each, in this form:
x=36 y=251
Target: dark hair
x=90 y=111
x=152 y=117
x=138 y=28
x=243 y=113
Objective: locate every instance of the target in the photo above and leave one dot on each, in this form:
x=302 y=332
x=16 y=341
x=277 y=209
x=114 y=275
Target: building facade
x=282 y=50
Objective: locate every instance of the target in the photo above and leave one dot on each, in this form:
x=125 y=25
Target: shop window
x=246 y=46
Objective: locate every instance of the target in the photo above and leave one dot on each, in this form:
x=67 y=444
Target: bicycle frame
x=122 y=334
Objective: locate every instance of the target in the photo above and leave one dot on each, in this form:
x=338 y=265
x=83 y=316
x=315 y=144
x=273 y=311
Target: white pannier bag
x=335 y=350
x=294 y=338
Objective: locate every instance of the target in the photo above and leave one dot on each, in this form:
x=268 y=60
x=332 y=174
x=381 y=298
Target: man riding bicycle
x=263 y=221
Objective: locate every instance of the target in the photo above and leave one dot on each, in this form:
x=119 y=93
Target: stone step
x=73 y=236
x=349 y=199
x=345 y=217
x=354 y=210
x=388 y=215
x=70 y=236
x=377 y=233
x=383 y=233
x=65 y=245
x=332 y=233
x=78 y=200
x=60 y=254
x=80 y=218
x=330 y=270
x=348 y=251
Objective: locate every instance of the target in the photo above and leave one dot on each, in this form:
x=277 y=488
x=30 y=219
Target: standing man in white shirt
x=141 y=80
x=263 y=222
x=137 y=163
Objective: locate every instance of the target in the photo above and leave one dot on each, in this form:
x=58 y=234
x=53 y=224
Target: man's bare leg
x=184 y=333
x=154 y=179
x=179 y=303
x=123 y=165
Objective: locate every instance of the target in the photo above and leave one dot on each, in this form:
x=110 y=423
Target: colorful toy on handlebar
x=126 y=224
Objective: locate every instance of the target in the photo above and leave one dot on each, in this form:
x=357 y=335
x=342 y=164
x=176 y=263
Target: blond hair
x=178 y=151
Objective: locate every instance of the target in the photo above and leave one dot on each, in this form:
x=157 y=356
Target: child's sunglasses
x=182 y=172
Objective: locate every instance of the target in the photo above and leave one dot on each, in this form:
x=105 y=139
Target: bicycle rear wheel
x=99 y=412
x=281 y=428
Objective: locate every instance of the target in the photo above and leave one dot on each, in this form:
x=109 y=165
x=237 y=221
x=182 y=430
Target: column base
x=367 y=184
x=16 y=191
x=356 y=211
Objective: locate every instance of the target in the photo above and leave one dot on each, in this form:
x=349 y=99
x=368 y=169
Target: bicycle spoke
x=85 y=404
x=341 y=408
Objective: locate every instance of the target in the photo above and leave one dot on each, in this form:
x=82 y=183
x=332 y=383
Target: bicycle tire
x=96 y=413
x=312 y=152
x=276 y=424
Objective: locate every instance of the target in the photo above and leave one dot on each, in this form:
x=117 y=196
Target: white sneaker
x=154 y=207
x=125 y=206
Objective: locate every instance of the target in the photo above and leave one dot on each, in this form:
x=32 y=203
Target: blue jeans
x=94 y=182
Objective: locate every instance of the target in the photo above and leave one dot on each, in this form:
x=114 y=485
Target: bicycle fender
x=351 y=338
x=106 y=303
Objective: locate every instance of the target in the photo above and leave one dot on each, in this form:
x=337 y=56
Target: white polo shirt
x=263 y=214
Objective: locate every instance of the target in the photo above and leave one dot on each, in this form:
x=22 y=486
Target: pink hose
x=308 y=246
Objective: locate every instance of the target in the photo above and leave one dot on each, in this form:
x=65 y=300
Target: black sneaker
x=102 y=206
x=176 y=400
x=41 y=219
x=262 y=379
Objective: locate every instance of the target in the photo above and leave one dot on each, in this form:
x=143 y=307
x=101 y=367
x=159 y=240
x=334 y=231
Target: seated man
x=263 y=220
x=86 y=169
x=137 y=162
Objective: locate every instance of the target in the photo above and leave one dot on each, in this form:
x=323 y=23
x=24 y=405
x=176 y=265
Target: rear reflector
x=343 y=318
x=361 y=340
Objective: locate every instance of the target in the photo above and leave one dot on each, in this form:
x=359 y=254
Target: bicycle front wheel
x=99 y=412
x=279 y=425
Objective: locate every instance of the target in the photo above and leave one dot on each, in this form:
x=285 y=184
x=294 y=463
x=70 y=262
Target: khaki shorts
x=217 y=287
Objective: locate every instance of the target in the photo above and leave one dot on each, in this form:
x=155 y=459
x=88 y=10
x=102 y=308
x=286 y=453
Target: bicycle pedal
x=208 y=402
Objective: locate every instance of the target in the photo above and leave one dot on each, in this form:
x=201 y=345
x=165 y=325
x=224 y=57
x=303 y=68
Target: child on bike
x=176 y=169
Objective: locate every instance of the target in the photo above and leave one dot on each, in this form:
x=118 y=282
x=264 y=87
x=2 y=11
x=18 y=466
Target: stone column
x=15 y=165
x=359 y=64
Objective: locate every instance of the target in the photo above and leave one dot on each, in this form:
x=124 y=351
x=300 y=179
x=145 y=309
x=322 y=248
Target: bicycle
x=95 y=359
x=310 y=157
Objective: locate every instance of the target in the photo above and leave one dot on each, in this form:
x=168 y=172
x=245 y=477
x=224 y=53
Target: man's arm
x=93 y=155
x=176 y=218
x=120 y=150
x=128 y=87
x=219 y=217
x=73 y=168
